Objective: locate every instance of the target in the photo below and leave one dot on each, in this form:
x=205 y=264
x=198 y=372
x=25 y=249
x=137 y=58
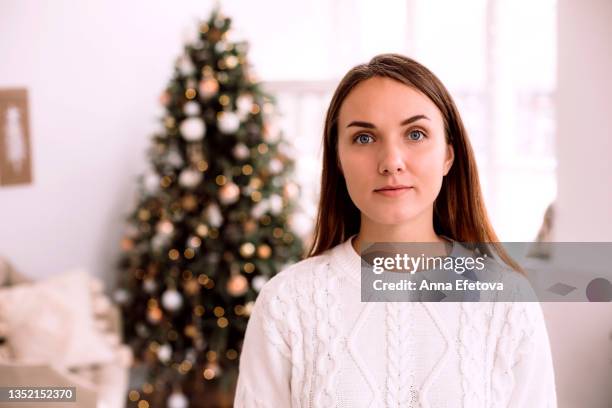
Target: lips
x=393 y=192
x=390 y=188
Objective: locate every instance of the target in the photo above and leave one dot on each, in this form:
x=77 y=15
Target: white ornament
x=244 y=103
x=213 y=215
x=258 y=282
x=220 y=46
x=191 y=355
x=172 y=300
x=193 y=129
x=191 y=108
x=248 y=307
x=229 y=193
x=228 y=122
x=276 y=204
x=132 y=231
x=259 y=209
x=165 y=227
x=174 y=159
x=242 y=46
x=190 y=178
x=177 y=400
x=291 y=191
x=142 y=330
x=121 y=296
x=185 y=65
x=209 y=87
x=164 y=353
x=151 y=183
x=275 y=166
x=273 y=131
x=159 y=241
x=241 y=151
x=149 y=285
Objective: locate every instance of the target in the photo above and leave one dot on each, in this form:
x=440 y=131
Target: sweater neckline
x=349 y=261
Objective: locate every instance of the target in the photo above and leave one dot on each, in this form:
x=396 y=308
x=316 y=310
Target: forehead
x=381 y=100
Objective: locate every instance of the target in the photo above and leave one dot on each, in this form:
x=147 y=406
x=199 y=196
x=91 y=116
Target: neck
x=415 y=231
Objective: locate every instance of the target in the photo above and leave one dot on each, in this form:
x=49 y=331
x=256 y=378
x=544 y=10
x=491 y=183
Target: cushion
x=52 y=322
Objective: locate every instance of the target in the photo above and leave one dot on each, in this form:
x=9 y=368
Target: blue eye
x=362 y=138
x=417 y=132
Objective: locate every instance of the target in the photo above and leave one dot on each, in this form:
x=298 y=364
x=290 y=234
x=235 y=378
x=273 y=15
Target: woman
x=311 y=342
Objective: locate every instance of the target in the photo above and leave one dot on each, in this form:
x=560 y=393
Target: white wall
x=584 y=100
x=581 y=333
x=94 y=71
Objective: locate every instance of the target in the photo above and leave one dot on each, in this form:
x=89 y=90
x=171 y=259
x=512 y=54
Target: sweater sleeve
x=265 y=366
x=534 y=380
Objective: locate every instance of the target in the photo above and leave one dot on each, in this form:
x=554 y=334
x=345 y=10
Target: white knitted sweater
x=311 y=342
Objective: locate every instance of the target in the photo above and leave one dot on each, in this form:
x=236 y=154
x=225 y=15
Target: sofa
x=100 y=385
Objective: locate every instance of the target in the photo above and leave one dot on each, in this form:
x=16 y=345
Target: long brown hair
x=459 y=210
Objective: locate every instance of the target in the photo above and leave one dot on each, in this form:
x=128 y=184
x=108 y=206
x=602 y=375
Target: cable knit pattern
x=305 y=300
x=277 y=327
x=326 y=310
x=471 y=348
x=311 y=343
x=401 y=381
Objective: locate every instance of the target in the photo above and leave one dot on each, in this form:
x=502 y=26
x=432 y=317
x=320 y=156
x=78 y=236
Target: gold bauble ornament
x=211 y=371
x=291 y=191
x=191 y=331
x=250 y=226
x=229 y=193
x=237 y=285
x=214 y=34
x=231 y=61
x=192 y=287
x=247 y=249
x=248 y=308
x=264 y=251
x=189 y=202
x=127 y=244
x=255 y=183
x=209 y=87
x=154 y=315
x=202 y=230
x=144 y=214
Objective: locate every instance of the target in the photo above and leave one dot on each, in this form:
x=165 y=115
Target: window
x=498 y=60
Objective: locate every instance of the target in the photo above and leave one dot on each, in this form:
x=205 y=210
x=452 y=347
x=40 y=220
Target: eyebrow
x=403 y=123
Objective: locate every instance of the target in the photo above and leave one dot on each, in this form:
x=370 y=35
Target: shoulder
x=523 y=316
x=294 y=281
x=288 y=301
x=296 y=272
x=517 y=287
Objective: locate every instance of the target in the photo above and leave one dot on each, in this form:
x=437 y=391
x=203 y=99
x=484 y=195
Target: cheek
x=429 y=163
x=428 y=170
x=358 y=174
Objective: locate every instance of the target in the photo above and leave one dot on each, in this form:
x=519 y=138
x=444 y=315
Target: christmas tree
x=212 y=223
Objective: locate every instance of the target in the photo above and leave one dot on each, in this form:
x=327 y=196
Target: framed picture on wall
x=15 y=157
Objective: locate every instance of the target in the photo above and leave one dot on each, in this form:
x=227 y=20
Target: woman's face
x=392 y=134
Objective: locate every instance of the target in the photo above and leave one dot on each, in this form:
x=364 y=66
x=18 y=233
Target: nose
x=391 y=161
